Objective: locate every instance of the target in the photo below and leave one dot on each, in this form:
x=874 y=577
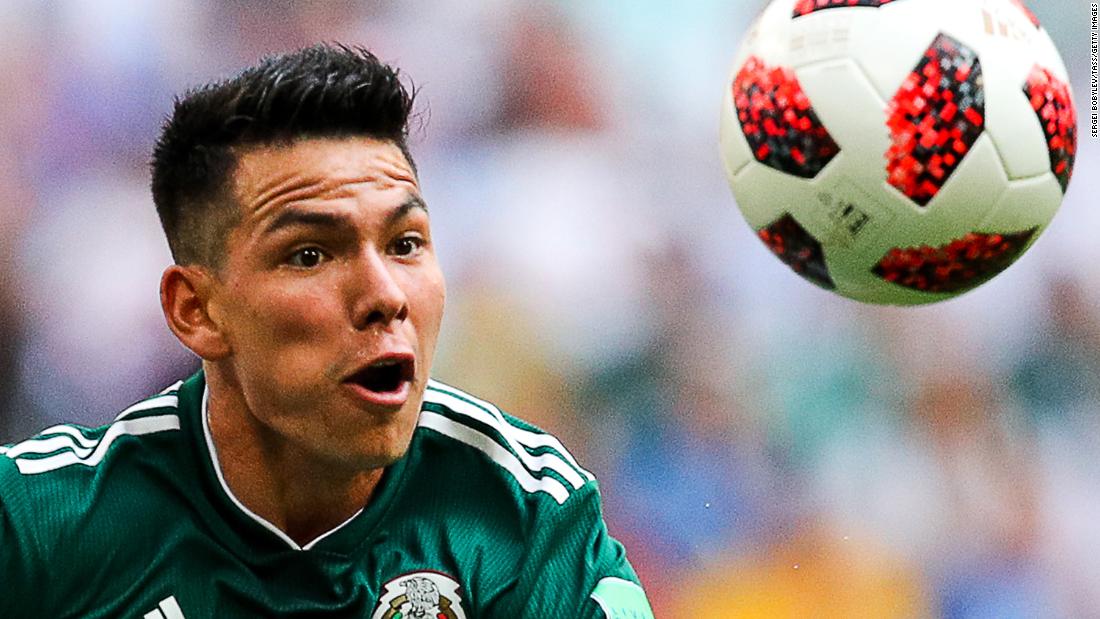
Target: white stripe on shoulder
x=50 y=444
x=91 y=457
x=171 y=388
x=490 y=447
x=488 y=413
x=532 y=462
x=3 y=450
x=160 y=401
x=77 y=436
x=64 y=436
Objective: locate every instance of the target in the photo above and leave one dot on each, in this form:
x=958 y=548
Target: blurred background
x=765 y=449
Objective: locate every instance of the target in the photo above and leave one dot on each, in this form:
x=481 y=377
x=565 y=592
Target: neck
x=297 y=492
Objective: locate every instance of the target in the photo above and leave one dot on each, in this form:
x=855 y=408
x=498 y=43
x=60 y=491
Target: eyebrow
x=297 y=217
x=413 y=202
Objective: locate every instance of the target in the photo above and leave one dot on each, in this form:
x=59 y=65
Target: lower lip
x=385 y=399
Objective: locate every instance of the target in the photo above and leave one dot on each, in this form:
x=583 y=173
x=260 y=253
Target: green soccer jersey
x=485 y=516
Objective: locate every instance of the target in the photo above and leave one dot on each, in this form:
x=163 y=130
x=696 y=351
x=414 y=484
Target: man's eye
x=407 y=245
x=307 y=258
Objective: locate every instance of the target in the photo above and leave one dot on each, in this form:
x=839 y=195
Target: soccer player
x=311 y=468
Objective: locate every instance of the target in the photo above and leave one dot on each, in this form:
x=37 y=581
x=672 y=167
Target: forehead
x=268 y=177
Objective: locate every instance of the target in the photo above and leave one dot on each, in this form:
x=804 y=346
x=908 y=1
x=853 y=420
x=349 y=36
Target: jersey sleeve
x=21 y=569
x=574 y=568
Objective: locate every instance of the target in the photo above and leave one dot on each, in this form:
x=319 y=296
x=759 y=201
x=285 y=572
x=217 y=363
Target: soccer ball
x=898 y=151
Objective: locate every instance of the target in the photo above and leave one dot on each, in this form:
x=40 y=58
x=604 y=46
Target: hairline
x=225 y=206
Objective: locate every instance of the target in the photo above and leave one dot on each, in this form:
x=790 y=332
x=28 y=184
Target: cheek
x=426 y=304
x=283 y=343
x=279 y=315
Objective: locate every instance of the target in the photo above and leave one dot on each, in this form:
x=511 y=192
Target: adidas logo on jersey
x=168 y=608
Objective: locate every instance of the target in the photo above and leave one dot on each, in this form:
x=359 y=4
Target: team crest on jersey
x=420 y=595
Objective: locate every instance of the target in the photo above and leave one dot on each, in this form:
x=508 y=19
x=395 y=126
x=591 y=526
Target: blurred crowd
x=764 y=448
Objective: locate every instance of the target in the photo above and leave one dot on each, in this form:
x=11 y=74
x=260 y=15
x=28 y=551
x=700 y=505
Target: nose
x=377 y=297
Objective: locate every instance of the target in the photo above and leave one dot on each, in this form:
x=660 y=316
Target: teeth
x=384 y=363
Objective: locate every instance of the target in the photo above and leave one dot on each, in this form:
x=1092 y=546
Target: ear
x=185 y=298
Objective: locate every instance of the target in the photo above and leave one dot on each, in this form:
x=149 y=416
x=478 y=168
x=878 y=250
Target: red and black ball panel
x=934 y=119
x=1051 y=100
x=1023 y=7
x=805 y=7
x=798 y=249
x=959 y=265
x=778 y=121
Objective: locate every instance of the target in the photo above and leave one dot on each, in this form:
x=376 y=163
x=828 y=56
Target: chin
x=378 y=459
x=364 y=446
x=378 y=456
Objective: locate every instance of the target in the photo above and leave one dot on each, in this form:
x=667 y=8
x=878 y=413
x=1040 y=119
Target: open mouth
x=385 y=376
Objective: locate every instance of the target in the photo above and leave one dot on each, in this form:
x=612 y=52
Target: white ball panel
x=854 y=115
x=1007 y=51
x=959 y=208
x=1025 y=204
x=853 y=209
x=972 y=190
x=764 y=194
x=890 y=46
x=1014 y=127
x=965 y=200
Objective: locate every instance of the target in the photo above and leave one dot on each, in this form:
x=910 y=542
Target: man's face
x=330 y=297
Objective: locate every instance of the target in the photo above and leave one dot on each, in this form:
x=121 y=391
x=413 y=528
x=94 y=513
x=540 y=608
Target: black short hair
x=319 y=91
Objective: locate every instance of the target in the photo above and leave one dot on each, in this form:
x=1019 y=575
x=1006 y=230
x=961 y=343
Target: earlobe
x=185 y=296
